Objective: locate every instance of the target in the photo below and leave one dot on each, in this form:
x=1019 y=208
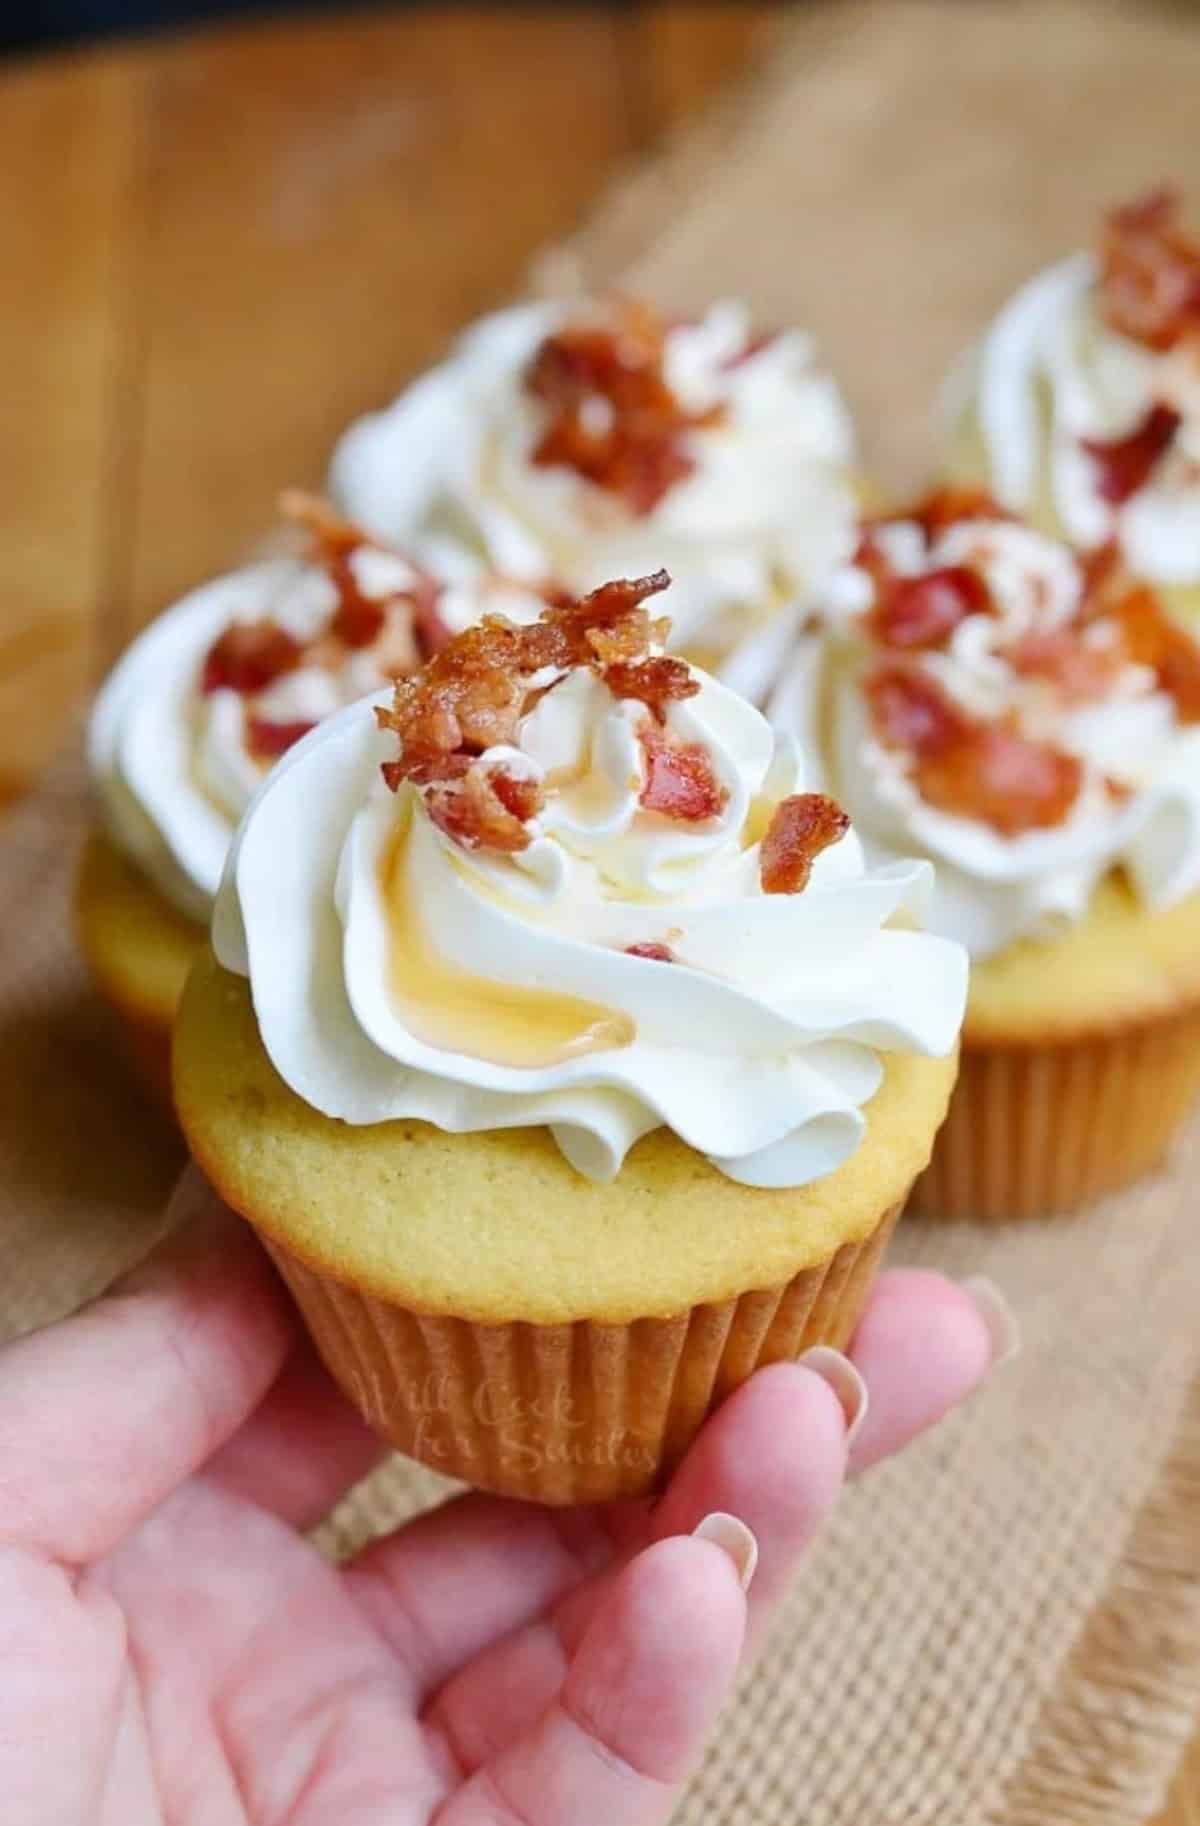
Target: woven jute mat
x=1002 y=1627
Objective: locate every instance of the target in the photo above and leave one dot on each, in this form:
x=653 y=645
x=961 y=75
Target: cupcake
x=591 y=440
x=198 y=710
x=562 y=1051
x=1030 y=721
x=1080 y=408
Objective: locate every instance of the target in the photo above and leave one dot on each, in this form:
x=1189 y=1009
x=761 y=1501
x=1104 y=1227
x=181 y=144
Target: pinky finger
x=643 y=1690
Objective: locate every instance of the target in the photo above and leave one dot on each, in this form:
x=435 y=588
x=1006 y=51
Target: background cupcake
x=591 y=440
x=1081 y=405
x=200 y=708
x=562 y=1050
x=1030 y=722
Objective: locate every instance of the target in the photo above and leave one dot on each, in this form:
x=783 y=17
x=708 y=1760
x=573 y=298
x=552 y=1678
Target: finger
x=302 y=1449
x=640 y=1697
x=774 y=1455
x=443 y=1587
x=103 y=1414
x=923 y=1344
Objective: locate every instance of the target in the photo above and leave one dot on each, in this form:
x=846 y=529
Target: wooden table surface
x=222 y=246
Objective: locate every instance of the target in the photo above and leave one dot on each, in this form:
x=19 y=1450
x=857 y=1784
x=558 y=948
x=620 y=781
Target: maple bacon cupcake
x=198 y=710
x=594 y=439
x=562 y=1051
x=1030 y=721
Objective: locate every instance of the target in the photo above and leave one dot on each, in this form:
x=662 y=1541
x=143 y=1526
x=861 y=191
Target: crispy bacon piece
x=680 y=782
x=651 y=949
x=1003 y=779
x=1125 y=464
x=267 y=740
x=249 y=656
x=1153 y=639
x=611 y=414
x=475 y=810
x=923 y=611
x=1149 y=284
x=910 y=710
x=472 y=693
x=655 y=682
x=1080 y=672
x=800 y=828
x=985 y=771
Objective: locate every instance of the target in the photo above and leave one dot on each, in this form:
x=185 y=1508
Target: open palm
x=172 y=1649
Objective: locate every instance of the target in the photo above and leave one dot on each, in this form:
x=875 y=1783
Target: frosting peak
x=1086 y=394
x=591 y=440
x=223 y=683
x=563 y=878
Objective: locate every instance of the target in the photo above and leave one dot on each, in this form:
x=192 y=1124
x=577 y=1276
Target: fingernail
x=1003 y=1325
x=734 y=1538
x=835 y=1368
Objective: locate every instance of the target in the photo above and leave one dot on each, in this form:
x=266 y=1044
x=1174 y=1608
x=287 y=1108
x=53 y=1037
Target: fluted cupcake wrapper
x=1032 y=1131
x=572 y=1413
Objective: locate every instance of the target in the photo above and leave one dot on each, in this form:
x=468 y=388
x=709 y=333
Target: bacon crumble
x=472 y=694
x=680 y=782
x=801 y=827
x=267 y=740
x=989 y=772
x=248 y=656
x=923 y=611
x=611 y=413
x=1149 y=283
x=1125 y=464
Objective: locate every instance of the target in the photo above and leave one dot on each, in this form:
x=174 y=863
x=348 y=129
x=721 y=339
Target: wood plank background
x=221 y=246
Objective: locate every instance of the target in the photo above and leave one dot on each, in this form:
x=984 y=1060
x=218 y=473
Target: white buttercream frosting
x=1050 y=374
x=765 y=511
x=757 y=1044
x=170 y=763
x=992 y=888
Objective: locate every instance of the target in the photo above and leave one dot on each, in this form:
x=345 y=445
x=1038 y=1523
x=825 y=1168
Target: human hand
x=173 y=1649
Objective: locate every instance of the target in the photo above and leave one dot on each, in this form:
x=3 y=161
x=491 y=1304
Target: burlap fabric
x=1004 y=1626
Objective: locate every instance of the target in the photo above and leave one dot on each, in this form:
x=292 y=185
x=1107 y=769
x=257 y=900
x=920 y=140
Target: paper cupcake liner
x=573 y=1413
x=1033 y=1131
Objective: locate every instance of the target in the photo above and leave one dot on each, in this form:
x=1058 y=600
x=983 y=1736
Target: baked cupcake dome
x=1080 y=406
x=1031 y=722
x=696 y=1174
x=196 y=712
x=590 y=440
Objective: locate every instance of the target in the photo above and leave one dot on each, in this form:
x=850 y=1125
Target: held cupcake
x=199 y=709
x=592 y=440
x=562 y=1051
x=1081 y=406
x=1030 y=721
